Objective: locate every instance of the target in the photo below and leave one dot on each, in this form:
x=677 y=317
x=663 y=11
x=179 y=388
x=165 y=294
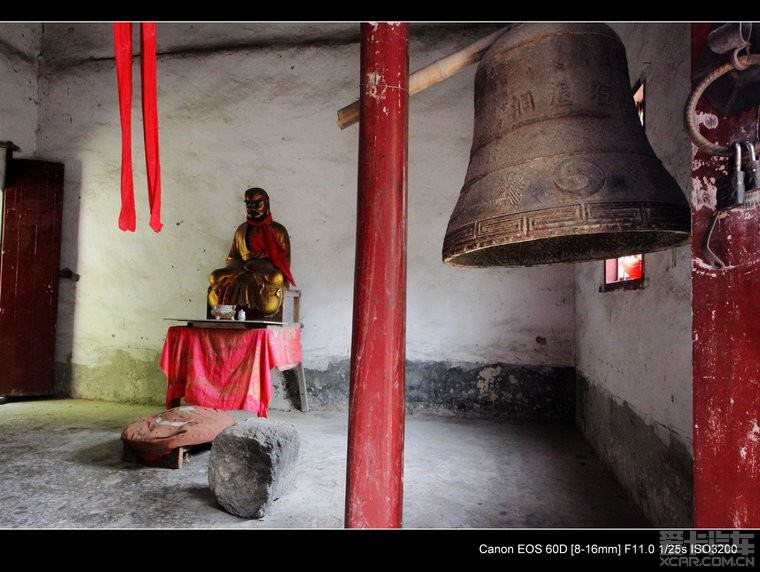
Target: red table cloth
x=228 y=369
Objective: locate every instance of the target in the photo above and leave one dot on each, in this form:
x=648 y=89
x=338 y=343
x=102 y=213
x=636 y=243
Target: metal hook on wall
x=732 y=38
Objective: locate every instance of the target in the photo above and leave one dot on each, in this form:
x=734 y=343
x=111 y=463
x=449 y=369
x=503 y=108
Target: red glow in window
x=629 y=267
x=624 y=269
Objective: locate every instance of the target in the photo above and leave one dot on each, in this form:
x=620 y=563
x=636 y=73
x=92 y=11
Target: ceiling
x=69 y=43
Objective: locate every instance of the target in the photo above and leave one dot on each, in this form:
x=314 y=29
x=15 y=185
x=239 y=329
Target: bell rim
x=589 y=247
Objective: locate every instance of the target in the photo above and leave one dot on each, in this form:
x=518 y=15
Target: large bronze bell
x=560 y=167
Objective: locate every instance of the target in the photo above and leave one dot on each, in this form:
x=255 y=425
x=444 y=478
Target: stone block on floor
x=252 y=464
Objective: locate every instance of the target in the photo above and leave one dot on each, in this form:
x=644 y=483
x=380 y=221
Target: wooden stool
x=171 y=461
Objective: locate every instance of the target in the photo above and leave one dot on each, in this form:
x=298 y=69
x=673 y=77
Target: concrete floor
x=61 y=467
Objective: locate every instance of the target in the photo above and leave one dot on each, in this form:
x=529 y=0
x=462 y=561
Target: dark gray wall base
x=462 y=389
x=657 y=475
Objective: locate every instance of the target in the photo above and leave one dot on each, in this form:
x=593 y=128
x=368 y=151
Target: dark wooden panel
x=29 y=264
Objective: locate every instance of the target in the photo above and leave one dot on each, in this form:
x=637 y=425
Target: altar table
x=229 y=369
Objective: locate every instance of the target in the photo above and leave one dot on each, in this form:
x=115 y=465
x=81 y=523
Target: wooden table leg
x=302 y=395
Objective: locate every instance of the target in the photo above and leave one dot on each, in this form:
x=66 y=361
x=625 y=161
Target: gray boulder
x=252 y=464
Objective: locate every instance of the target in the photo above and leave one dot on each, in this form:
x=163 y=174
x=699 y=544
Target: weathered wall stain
x=117 y=377
x=653 y=465
x=486 y=384
x=463 y=389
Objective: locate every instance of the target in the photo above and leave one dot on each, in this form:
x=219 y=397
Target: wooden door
x=29 y=262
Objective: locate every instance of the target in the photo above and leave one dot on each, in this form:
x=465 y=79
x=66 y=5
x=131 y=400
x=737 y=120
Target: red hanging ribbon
x=123 y=54
x=150 y=121
x=122 y=36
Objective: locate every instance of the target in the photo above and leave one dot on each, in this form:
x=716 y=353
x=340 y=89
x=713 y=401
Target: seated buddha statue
x=258 y=264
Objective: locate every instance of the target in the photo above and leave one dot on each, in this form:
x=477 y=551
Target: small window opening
x=624 y=269
x=624 y=273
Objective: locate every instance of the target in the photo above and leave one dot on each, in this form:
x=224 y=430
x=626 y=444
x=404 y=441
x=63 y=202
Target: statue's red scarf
x=266 y=240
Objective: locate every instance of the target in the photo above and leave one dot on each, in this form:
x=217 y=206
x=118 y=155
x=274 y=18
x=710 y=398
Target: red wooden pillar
x=726 y=334
x=374 y=484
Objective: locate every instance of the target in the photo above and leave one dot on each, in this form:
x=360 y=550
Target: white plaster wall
x=267 y=117
x=19 y=46
x=637 y=344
